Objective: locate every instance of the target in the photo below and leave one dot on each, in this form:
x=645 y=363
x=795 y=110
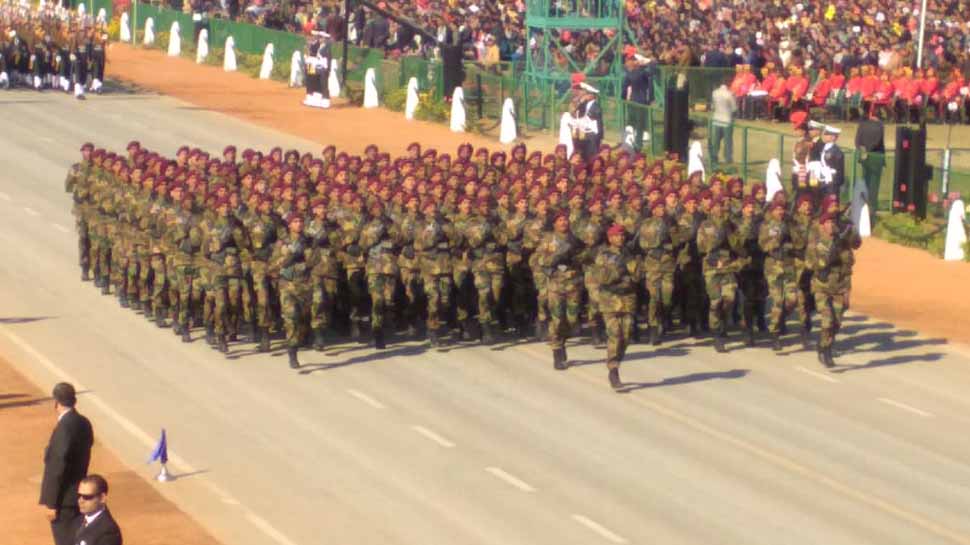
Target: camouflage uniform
x=656 y=240
x=186 y=238
x=486 y=243
x=719 y=267
x=354 y=262
x=775 y=240
x=516 y=260
x=324 y=275
x=618 y=271
x=827 y=255
x=690 y=269
x=77 y=184
x=752 y=279
x=262 y=229
x=289 y=258
x=556 y=256
x=591 y=231
x=409 y=267
x=432 y=242
x=382 y=271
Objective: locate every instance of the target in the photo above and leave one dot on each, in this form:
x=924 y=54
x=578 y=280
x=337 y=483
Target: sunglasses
x=88 y=497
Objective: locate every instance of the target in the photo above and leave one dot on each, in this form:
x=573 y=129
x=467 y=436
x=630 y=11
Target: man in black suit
x=869 y=141
x=95 y=526
x=66 y=462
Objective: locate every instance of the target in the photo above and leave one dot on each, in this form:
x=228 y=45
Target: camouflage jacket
x=432 y=243
x=376 y=242
x=618 y=272
x=656 y=240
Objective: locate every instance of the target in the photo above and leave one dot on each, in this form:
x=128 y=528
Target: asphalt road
x=473 y=445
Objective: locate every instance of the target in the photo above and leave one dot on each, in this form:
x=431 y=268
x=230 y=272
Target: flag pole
x=164 y=476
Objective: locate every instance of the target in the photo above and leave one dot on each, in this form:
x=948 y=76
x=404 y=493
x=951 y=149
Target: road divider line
x=598 y=528
x=31 y=211
x=904 y=406
x=366 y=399
x=510 y=479
x=816 y=374
x=268 y=529
x=433 y=436
x=61 y=228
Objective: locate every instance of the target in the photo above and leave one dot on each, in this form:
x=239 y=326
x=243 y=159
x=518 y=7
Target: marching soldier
x=376 y=242
x=719 y=266
x=775 y=239
x=556 y=256
x=289 y=258
x=618 y=271
x=433 y=245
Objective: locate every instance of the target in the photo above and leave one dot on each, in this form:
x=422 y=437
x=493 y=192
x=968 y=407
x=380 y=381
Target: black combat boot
x=319 y=341
x=291 y=353
x=749 y=342
x=615 y=382
x=223 y=346
x=559 y=359
x=636 y=329
x=379 y=338
x=654 y=335
x=105 y=287
x=692 y=330
x=84 y=275
x=719 y=337
x=776 y=342
x=264 y=339
x=760 y=314
x=433 y=338
x=355 y=330
x=829 y=359
x=253 y=331
x=160 y=317
x=488 y=335
x=135 y=304
x=210 y=334
x=123 y=300
x=186 y=335
x=542 y=330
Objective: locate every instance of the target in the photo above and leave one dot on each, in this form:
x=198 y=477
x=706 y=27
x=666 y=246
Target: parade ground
x=467 y=445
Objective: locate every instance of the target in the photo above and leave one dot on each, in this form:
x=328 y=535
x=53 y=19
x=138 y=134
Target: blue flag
x=161 y=450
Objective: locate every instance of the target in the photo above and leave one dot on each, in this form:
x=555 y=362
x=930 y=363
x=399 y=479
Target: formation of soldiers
x=52 y=48
x=475 y=246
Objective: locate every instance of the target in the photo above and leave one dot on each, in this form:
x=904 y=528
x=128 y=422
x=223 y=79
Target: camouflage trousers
x=753 y=289
x=139 y=286
x=381 y=288
x=831 y=309
x=489 y=287
x=783 y=293
x=357 y=294
x=186 y=286
x=438 y=289
x=160 y=281
x=323 y=301
x=660 y=287
x=83 y=243
x=592 y=290
x=119 y=266
x=520 y=290
x=564 y=300
x=806 y=301
x=720 y=292
x=295 y=310
x=260 y=303
x=464 y=294
x=619 y=330
x=543 y=304
x=226 y=294
x=411 y=279
x=691 y=281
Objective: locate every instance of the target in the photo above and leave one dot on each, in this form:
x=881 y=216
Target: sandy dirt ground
x=26 y=420
x=906 y=286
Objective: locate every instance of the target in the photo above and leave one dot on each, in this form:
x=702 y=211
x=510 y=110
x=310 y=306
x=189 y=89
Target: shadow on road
x=22 y=402
x=376 y=355
x=23 y=320
x=684 y=379
x=895 y=360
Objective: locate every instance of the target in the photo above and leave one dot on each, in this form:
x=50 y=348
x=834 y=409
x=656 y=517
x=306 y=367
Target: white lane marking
x=147 y=440
x=31 y=211
x=796 y=468
x=816 y=374
x=904 y=406
x=61 y=228
x=510 y=479
x=603 y=531
x=268 y=529
x=366 y=398
x=433 y=436
x=4 y=196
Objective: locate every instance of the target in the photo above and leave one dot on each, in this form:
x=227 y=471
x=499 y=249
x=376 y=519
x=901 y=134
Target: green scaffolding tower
x=552 y=30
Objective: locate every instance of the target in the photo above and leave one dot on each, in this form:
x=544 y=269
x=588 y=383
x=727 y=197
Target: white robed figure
x=229 y=61
x=266 y=69
x=371 y=99
x=566 y=125
x=773 y=179
x=202 y=50
x=507 y=132
x=695 y=159
x=458 y=110
x=411 y=104
x=174 y=40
